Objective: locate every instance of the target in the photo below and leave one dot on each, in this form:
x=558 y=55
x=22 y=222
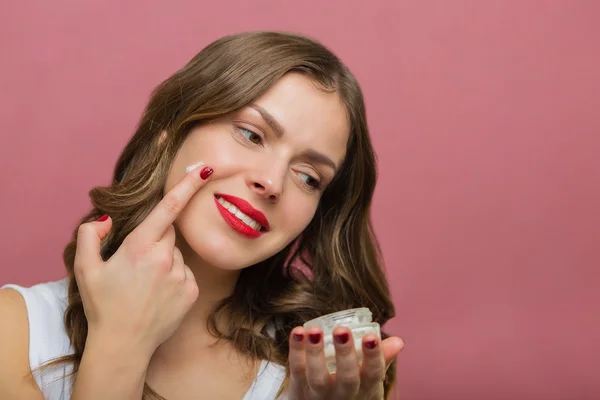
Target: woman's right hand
x=141 y=294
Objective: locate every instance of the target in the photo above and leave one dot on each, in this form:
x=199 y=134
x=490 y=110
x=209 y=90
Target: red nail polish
x=102 y=218
x=298 y=337
x=342 y=338
x=206 y=172
x=314 y=338
x=371 y=344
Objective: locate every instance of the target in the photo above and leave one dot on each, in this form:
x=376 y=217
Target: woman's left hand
x=310 y=379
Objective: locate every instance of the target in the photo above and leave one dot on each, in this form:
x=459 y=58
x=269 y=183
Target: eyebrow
x=319 y=158
x=312 y=155
x=270 y=120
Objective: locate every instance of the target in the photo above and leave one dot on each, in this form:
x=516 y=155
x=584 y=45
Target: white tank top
x=46 y=304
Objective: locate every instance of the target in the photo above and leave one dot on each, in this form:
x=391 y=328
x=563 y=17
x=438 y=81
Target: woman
x=238 y=211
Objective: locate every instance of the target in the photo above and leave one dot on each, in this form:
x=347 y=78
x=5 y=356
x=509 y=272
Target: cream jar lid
x=351 y=318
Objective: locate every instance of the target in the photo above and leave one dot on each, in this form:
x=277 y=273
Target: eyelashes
x=253 y=138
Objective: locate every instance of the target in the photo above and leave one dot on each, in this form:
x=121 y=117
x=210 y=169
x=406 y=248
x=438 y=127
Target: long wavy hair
x=342 y=262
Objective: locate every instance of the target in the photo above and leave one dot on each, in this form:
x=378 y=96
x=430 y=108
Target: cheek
x=215 y=149
x=226 y=156
x=297 y=214
x=219 y=150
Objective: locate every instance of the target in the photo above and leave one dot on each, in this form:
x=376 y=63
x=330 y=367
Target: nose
x=267 y=182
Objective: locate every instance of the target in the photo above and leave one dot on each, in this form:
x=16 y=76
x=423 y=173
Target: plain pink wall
x=486 y=120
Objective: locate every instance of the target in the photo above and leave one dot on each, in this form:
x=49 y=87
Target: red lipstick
x=245 y=208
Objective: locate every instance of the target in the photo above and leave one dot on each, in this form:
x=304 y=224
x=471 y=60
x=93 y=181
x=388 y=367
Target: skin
x=160 y=286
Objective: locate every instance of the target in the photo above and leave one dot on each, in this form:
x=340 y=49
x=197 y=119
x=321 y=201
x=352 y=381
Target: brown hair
x=338 y=245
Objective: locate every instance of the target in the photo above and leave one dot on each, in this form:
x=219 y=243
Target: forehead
x=310 y=116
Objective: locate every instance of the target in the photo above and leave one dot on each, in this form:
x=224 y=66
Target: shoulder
x=33 y=334
x=44 y=306
x=15 y=378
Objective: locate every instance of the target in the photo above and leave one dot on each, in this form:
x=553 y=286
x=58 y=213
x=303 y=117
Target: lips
x=241 y=216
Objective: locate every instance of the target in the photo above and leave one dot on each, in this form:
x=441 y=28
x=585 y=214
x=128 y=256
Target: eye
x=310 y=181
x=251 y=136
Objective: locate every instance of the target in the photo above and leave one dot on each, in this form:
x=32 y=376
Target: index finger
x=166 y=211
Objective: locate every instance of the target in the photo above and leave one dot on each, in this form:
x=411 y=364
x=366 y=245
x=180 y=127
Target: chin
x=220 y=253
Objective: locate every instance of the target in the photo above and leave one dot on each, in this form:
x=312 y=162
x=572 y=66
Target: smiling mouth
x=251 y=223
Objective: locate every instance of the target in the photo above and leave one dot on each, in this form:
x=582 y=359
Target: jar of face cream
x=358 y=320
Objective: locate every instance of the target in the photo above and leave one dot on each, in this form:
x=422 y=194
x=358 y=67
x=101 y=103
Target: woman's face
x=271 y=162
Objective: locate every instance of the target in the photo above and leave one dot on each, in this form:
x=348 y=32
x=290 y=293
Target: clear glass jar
x=358 y=320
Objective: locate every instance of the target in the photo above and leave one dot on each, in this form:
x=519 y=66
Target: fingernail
x=206 y=172
x=314 y=338
x=102 y=218
x=298 y=337
x=342 y=338
x=371 y=344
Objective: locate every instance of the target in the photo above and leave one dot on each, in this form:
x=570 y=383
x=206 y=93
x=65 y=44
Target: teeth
x=240 y=215
x=247 y=220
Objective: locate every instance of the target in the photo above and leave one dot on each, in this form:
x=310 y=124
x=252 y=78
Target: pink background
x=485 y=116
